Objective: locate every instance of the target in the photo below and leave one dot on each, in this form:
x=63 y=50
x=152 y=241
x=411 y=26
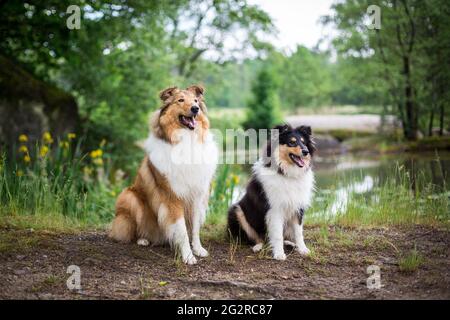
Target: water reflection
x=340 y=177
x=342 y=194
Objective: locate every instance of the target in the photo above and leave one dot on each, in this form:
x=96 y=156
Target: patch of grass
x=399 y=200
x=50 y=221
x=54 y=183
x=430 y=144
x=315 y=256
x=14 y=242
x=146 y=292
x=411 y=261
x=234 y=245
x=265 y=252
x=344 y=239
x=51 y=281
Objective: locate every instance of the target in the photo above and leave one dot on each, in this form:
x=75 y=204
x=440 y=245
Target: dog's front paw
x=289 y=244
x=190 y=260
x=143 y=242
x=279 y=256
x=304 y=251
x=200 y=251
x=257 y=247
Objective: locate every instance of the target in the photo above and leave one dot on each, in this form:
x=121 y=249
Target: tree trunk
x=411 y=114
x=441 y=120
x=430 y=123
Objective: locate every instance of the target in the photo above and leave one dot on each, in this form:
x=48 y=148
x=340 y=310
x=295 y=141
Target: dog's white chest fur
x=189 y=165
x=284 y=193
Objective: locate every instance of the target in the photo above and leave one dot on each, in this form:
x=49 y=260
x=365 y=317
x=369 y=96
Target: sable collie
x=278 y=193
x=170 y=193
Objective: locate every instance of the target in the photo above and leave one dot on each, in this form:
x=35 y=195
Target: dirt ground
x=33 y=265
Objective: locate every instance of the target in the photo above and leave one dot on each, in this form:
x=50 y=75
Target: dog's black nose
x=305 y=152
x=194 y=109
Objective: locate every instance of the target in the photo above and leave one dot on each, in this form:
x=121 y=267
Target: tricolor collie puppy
x=169 y=197
x=278 y=193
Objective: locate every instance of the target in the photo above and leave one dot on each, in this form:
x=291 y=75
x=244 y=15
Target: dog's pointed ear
x=167 y=93
x=282 y=128
x=198 y=90
x=304 y=129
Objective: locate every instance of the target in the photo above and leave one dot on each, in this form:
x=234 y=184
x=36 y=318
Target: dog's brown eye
x=181 y=100
x=196 y=100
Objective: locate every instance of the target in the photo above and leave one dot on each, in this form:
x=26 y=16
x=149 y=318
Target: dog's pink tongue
x=192 y=122
x=300 y=162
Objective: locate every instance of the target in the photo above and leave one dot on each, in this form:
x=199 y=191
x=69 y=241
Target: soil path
x=33 y=265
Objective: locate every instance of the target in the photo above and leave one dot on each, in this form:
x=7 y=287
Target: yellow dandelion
x=98 y=161
x=23 y=149
x=235 y=178
x=96 y=153
x=43 y=152
x=87 y=170
x=64 y=144
x=19 y=173
x=27 y=158
x=23 y=138
x=47 y=137
x=71 y=136
x=113 y=193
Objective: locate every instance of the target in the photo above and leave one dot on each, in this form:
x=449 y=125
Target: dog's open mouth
x=188 y=122
x=297 y=160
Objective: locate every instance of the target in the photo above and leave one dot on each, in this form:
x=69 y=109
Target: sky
x=297 y=21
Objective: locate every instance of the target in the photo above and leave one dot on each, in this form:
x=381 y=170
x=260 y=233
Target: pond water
x=340 y=176
x=343 y=175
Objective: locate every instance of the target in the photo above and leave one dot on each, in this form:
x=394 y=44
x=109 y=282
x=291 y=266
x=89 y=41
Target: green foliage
x=126 y=52
x=404 y=60
x=54 y=178
x=305 y=78
x=264 y=107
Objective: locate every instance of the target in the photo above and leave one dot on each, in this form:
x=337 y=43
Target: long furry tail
x=123 y=229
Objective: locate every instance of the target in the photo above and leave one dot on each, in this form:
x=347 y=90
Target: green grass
x=411 y=261
x=53 y=185
x=396 y=201
x=66 y=190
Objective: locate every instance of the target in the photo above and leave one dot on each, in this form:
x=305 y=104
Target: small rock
x=45 y=296
x=171 y=292
x=20 y=257
x=90 y=261
x=19 y=272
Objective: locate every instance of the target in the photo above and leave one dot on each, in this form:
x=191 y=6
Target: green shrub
x=263 y=110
